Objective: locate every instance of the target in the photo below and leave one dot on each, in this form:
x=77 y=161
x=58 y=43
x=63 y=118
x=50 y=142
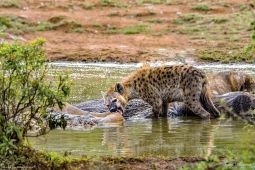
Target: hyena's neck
x=132 y=82
x=129 y=92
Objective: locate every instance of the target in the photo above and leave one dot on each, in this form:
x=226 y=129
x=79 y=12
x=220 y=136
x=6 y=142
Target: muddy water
x=182 y=136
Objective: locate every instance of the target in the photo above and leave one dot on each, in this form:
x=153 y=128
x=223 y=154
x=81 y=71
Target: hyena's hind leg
x=192 y=100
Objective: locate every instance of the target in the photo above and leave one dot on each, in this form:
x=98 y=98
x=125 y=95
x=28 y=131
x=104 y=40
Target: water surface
x=181 y=136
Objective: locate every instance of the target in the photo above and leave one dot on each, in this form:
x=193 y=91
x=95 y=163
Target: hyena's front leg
x=152 y=98
x=160 y=108
x=156 y=106
x=192 y=100
x=157 y=110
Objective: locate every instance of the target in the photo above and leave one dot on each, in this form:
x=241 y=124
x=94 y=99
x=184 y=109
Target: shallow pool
x=181 y=136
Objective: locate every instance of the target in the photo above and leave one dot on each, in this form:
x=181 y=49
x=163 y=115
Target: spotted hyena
x=230 y=81
x=158 y=86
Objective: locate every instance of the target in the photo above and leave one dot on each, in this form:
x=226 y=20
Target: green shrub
x=26 y=93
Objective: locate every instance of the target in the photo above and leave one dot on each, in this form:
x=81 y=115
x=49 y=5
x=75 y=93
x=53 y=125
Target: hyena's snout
x=113 y=107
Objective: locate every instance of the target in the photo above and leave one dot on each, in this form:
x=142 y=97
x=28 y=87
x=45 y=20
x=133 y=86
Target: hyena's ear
x=119 y=88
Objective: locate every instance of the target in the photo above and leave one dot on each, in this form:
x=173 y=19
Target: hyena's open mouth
x=120 y=110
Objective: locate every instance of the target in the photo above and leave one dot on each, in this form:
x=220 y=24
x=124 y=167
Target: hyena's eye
x=107 y=105
x=114 y=100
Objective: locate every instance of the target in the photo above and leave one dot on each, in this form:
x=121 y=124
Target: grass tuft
x=87 y=5
x=135 y=29
x=15 y=24
x=154 y=20
x=187 y=18
x=225 y=54
x=9 y=3
x=113 y=3
x=201 y=7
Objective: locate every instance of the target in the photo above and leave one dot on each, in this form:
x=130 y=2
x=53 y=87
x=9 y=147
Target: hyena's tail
x=206 y=100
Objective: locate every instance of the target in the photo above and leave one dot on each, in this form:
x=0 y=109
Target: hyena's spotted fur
x=229 y=81
x=158 y=86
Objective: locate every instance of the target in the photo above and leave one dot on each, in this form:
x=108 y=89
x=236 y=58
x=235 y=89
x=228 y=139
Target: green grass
x=9 y=3
x=201 y=7
x=225 y=54
x=175 y=2
x=113 y=3
x=139 y=14
x=72 y=24
x=56 y=19
x=135 y=29
x=114 y=13
x=142 y=2
x=232 y=26
x=76 y=30
x=15 y=24
x=154 y=20
x=87 y=5
x=224 y=4
x=187 y=18
x=44 y=26
x=96 y=25
x=219 y=20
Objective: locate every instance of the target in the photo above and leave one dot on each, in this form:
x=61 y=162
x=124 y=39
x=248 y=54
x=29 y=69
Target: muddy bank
x=48 y=161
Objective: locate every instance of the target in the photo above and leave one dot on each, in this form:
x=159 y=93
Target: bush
x=26 y=93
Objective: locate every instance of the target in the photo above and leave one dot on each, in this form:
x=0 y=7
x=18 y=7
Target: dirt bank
x=127 y=30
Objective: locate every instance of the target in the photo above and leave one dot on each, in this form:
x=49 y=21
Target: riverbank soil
x=31 y=159
x=129 y=30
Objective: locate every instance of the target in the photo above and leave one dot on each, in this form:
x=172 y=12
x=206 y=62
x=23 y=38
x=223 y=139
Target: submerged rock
x=238 y=101
x=97 y=106
x=136 y=107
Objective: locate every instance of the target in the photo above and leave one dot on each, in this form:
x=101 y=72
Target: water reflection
x=183 y=136
x=163 y=137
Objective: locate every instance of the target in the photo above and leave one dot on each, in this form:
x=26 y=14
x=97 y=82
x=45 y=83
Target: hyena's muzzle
x=115 y=106
x=113 y=103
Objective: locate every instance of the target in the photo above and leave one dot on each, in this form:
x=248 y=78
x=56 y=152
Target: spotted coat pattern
x=158 y=86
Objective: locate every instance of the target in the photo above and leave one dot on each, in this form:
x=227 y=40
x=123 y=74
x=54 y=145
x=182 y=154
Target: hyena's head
x=249 y=84
x=114 y=100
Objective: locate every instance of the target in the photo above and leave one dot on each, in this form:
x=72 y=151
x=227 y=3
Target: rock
x=240 y=102
x=135 y=107
x=97 y=106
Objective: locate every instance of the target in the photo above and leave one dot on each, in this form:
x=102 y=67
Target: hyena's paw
x=205 y=116
x=217 y=114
